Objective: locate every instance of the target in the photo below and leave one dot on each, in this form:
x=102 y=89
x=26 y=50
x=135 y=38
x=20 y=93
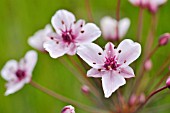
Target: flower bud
x=148 y=65
x=142 y=98
x=168 y=82
x=163 y=40
x=68 y=109
x=132 y=100
x=85 y=89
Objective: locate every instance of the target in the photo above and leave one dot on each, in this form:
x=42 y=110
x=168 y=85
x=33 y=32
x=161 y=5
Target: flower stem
x=140 y=25
x=65 y=99
x=117 y=18
x=89 y=12
x=149 y=97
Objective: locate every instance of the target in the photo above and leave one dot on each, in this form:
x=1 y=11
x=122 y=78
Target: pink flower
x=164 y=39
x=68 y=109
x=37 y=40
x=19 y=73
x=112 y=64
x=109 y=28
x=154 y=4
x=151 y=5
x=168 y=82
x=69 y=34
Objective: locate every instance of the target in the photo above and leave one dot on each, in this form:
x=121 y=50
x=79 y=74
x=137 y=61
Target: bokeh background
x=19 y=19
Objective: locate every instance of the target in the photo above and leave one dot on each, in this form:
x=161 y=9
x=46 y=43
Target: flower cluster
x=66 y=36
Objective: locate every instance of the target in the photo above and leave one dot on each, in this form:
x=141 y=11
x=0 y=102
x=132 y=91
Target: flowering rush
x=69 y=34
x=41 y=36
x=68 y=109
x=19 y=73
x=112 y=64
x=113 y=29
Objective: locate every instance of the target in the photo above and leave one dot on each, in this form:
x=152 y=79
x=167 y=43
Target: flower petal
x=123 y=27
x=108 y=26
x=72 y=49
x=13 y=87
x=109 y=50
x=9 y=70
x=55 y=49
x=76 y=28
x=88 y=34
x=111 y=81
x=127 y=72
x=37 y=40
x=62 y=20
x=92 y=54
x=95 y=73
x=135 y=2
x=129 y=52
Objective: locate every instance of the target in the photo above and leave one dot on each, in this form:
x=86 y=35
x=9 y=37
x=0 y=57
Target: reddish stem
x=89 y=12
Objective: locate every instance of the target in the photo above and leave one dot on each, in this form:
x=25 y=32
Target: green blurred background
x=19 y=19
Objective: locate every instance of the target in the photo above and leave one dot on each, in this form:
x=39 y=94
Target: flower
x=151 y=5
x=68 y=109
x=85 y=89
x=69 y=34
x=112 y=64
x=19 y=73
x=168 y=82
x=109 y=28
x=37 y=40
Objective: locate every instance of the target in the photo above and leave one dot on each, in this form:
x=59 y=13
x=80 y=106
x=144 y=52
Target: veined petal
x=109 y=50
x=129 y=52
x=76 y=28
x=108 y=27
x=37 y=40
x=111 y=81
x=88 y=34
x=30 y=60
x=13 y=87
x=123 y=27
x=92 y=54
x=96 y=73
x=72 y=49
x=127 y=72
x=55 y=49
x=62 y=20
x=9 y=70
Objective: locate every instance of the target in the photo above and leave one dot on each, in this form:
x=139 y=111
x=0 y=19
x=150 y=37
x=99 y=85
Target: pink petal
x=72 y=49
x=88 y=34
x=8 y=71
x=127 y=72
x=55 y=49
x=109 y=50
x=92 y=54
x=124 y=25
x=135 y=2
x=108 y=26
x=13 y=87
x=62 y=20
x=129 y=51
x=76 y=28
x=37 y=40
x=96 y=73
x=68 y=109
x=111 y=81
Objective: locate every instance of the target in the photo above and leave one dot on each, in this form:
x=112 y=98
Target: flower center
x=20 y=74
x=67 y=36
x=111 y=63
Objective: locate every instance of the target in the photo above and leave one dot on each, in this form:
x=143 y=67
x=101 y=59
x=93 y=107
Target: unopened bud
x=168 y=82
x=142 y=98
x=132 y=100
x=148 y=65
x=85 y=89
x=68 y=109
x=164 y=39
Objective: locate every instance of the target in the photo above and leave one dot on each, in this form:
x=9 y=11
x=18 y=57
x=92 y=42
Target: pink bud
x=85 y=89
x=142 y=98
x=132 y=100
x=168 y=82
x=148 y=65
x=163 y=40
x=68 y=109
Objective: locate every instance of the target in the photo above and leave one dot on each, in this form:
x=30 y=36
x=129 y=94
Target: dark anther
x=62 y=22
x=99 y=69
x=82 y=31
x=94 y=63
x=115 y=47
x=119 y=51
x=100 y=53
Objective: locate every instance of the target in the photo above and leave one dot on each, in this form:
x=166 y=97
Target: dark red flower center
x=67 y=37
x=20 y=74
x=111 y=64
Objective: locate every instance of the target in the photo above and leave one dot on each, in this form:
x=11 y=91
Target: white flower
x=19 y=73
x=37 y=40
x=112 y=64
x=68 y=109
x=69 y=34
x=109 y=28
